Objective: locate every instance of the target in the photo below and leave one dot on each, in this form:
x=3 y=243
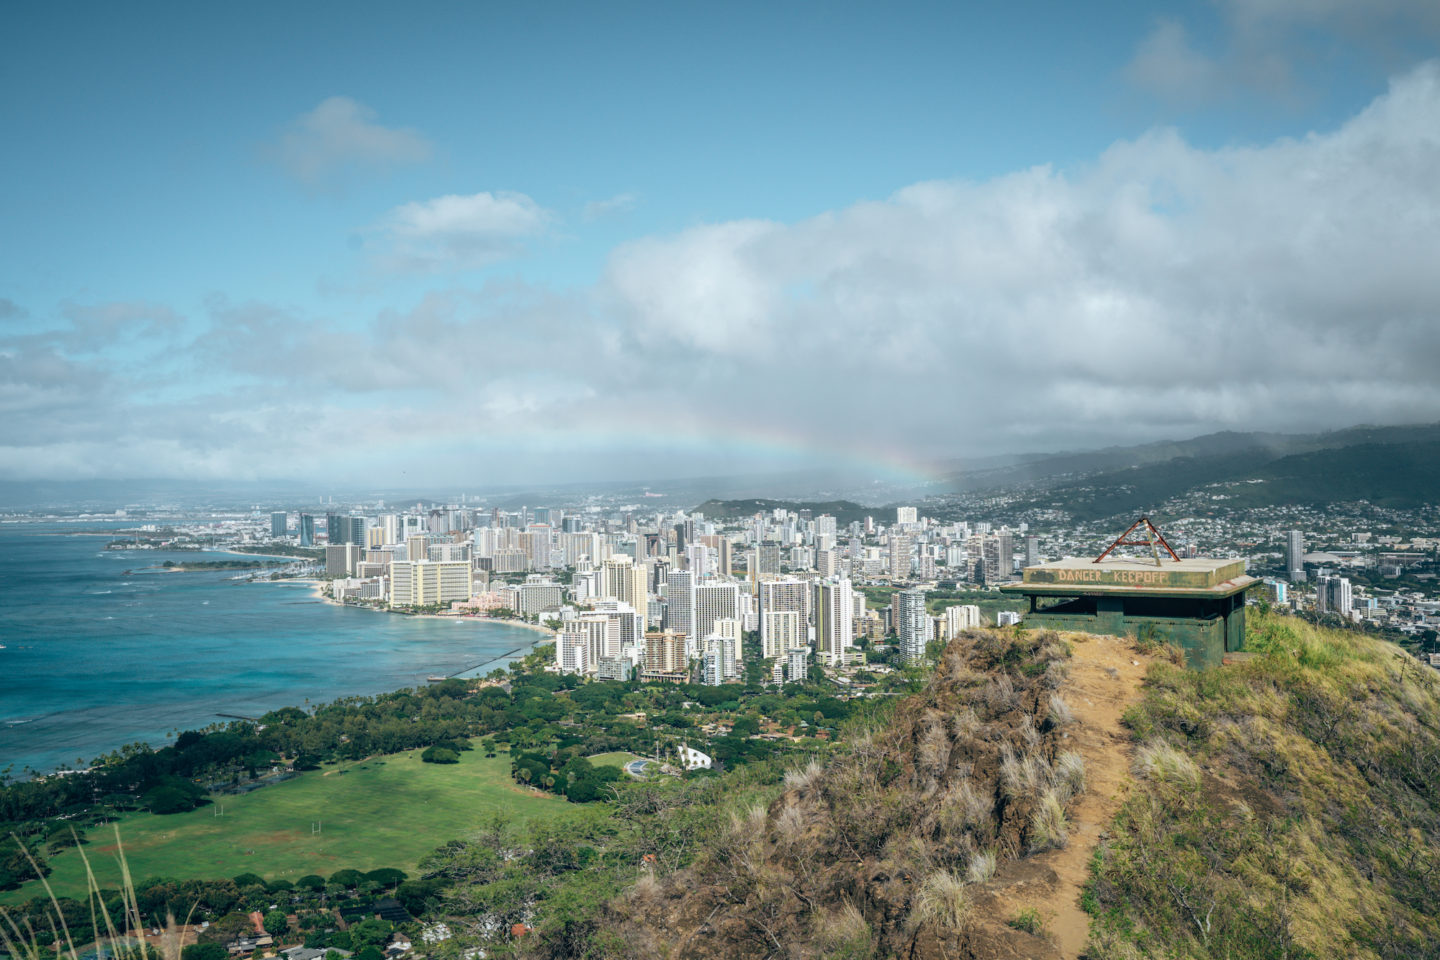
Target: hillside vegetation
x=1287 y=806
x=882 y=852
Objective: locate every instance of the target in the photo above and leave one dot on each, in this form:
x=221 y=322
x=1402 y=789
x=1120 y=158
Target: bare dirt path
x=1105 y=678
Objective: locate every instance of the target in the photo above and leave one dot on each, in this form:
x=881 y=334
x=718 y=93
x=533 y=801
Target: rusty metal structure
x=1152 y=535
x=1197 y=604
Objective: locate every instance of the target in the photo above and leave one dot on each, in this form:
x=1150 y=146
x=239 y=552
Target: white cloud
x=339 y=134
x=462 y=231
x=620 y=203
x=1162 y=290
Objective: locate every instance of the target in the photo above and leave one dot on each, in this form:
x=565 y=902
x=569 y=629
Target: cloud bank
x=1161 y=290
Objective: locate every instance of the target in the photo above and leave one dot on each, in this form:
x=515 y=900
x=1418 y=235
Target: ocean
x=95 y=657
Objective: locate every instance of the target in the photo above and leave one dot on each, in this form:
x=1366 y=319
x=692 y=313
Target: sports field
x=385 y=812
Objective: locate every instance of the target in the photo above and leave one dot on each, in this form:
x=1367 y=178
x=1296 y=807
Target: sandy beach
x=317 y=589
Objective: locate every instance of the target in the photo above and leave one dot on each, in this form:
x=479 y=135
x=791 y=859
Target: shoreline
x=317 y=589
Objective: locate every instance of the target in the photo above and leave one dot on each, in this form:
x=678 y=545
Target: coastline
x=317 y=589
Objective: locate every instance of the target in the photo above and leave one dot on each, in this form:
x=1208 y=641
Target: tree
x=173 y=795
x=15 y=867
x=311 y=881
x=204 y=951
x=276 y=923
x=439 y=754
x=386 y=876
x=349 y=879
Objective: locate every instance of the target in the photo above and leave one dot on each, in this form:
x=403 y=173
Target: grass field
x=386 y=812
x=618 y=759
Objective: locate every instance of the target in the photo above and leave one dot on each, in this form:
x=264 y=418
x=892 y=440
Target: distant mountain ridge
x=1389 y=466
x=1263 y=446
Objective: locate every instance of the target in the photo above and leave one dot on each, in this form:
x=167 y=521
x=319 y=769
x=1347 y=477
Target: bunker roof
x=1197 y=576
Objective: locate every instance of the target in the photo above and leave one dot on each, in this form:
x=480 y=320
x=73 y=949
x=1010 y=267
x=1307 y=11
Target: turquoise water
x=95 y=658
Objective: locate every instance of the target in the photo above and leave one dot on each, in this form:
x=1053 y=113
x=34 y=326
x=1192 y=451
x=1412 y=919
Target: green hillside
x=1289 y=807
x=1387 y=474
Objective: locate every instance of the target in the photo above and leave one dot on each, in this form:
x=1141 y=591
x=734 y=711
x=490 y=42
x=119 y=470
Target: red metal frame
x=1151 y=535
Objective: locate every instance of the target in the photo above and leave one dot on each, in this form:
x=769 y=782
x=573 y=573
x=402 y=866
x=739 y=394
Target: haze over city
x=356 y=244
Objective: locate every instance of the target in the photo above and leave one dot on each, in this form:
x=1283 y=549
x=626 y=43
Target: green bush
x=438 y=754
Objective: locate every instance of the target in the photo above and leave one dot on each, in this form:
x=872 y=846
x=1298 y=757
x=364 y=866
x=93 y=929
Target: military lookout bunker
x=1197 y=604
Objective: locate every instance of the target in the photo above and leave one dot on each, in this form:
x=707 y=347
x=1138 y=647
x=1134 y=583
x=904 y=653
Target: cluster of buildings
x=670 y=597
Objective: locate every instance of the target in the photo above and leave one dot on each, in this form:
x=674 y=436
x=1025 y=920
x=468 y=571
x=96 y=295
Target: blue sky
x=572 y=228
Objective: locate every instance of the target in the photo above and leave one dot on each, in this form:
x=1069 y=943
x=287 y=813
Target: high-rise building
x=834 y=611
x=900 y=549
x=680 y=605
x=624 y=580
x=826 y=563
x=961 y=618
x=768 y=559
x=279 y=525
x=1334 y=595
x=572 y=651
x=778 y=596
x=1295 y=556
x=1005 y=554
x=715 y=601
x=911 y=624
x=1007 y=618
x=796 y=668
x=1032 y=551
x=416 y=583
x=307 y=530
x=342 y=559
x=539 y=596
x=906 y=515
x=664 y=656
x=780 y=630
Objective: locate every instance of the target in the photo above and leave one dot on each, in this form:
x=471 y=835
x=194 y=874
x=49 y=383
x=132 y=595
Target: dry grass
x=802 y=777
x=942 y=903
x=1048 y=827
x=1162 y=763
x=57 y=942
x=982 y=867
x=1060 y=714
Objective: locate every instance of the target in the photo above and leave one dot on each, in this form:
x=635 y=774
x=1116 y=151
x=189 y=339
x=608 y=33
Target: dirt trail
x=1105 y=678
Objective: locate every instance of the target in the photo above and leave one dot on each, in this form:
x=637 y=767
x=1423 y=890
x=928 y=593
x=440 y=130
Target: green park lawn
x=385 y=812
x=618 y=759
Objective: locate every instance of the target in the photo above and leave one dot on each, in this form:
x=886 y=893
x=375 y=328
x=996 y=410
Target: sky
x=509 y=243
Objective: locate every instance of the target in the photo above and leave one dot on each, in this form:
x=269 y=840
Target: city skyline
x=588 y=246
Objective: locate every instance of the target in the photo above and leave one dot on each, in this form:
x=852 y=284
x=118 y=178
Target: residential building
x=911 y=624
x=1295 y=556
x=415 y=583
x=834 y=611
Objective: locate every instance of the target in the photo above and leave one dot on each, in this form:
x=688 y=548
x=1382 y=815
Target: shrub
x=1030 y=921
x=438 y=754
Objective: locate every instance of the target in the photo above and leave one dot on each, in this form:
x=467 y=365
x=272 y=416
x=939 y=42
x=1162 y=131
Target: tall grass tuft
x=942 y=903
x=1048 y=827
x=982 y=867
x=1159 y=761
x=24 y=942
